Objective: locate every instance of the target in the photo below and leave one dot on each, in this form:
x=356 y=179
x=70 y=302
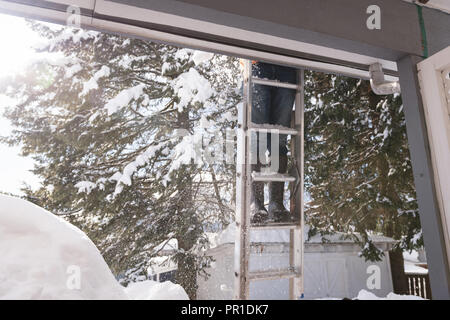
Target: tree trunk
x=186 y=274
x=399 y=280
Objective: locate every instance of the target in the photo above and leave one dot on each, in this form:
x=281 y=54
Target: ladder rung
x=272 y=129
x=275 y=226
x=273 y=274
x=269 y=177
x=275 y=83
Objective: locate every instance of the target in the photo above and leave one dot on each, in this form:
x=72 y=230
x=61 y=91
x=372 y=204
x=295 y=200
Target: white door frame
x=432 y=73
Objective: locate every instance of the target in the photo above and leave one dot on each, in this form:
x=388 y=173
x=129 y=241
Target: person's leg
x=281 y=110
x=260 y=115
x=282 y=101
x=262 y=96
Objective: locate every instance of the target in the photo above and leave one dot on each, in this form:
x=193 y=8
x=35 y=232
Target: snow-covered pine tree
x=111 y=123
x=358 y=169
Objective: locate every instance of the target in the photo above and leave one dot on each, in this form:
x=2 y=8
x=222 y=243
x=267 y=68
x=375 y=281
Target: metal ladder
x=244 y=179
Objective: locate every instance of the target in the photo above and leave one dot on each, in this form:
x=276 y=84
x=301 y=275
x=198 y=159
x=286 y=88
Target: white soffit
x=146 y=15
x=139 y=14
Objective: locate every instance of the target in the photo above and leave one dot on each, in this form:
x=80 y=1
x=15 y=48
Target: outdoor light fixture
x=377 y=82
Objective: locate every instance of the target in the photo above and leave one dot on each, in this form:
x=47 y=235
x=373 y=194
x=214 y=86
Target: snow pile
x=366 y=295
x=201 y=56
x=153 y=290
x=44 y=257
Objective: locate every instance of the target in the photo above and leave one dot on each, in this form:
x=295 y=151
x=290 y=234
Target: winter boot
x=258 y=213
x=277 y=211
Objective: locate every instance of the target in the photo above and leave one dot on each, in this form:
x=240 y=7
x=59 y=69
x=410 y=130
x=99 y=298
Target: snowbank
x=44 y=257
x=366 y=295
x=153 y=290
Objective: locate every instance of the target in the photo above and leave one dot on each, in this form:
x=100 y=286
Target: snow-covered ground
x=44 y=257
x=367 y=295
x=153 y=290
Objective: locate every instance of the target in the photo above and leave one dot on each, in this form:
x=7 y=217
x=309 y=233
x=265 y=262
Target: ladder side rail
x=296 y=235
x=249 y=179
x=243 y=184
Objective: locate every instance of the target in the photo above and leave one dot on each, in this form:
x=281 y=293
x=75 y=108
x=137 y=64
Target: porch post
x=430 y=216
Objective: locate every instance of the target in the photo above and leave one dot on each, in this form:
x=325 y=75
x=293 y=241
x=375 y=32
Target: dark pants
x=273 y=105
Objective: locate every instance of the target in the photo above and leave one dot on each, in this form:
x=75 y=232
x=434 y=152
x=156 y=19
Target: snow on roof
x=413 y=268
x=411 y=261
x=171 y=244
x=160 y=264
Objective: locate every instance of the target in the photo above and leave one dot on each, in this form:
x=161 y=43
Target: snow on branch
x=124 y=98
x=191 y=87
x=92 y=83
x=130 y=168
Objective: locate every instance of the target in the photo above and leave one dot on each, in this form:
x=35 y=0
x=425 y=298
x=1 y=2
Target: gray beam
x=430 y=216
x=437 y=26
x=335 y=24
x=345 y=19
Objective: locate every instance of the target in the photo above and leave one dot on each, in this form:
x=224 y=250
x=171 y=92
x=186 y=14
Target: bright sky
x=15 y=50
